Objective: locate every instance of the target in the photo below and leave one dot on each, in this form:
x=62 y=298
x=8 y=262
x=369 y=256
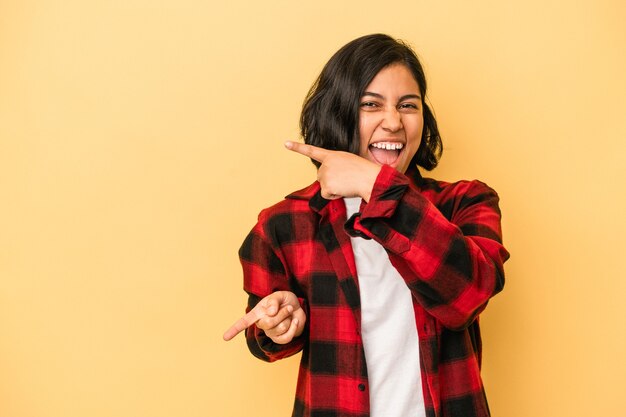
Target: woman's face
x=390 y=118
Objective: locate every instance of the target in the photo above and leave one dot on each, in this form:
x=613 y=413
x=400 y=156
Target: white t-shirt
x=388 y=330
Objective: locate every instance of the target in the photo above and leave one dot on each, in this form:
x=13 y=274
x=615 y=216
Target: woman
x=375 y=273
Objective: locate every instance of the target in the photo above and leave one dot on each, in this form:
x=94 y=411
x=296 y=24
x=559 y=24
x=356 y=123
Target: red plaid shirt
x=444 y=240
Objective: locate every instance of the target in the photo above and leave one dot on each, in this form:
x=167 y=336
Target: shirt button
x=361 y=387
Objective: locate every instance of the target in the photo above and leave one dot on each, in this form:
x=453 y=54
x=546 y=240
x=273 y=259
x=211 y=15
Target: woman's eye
x=408 y=106
x=368 y=104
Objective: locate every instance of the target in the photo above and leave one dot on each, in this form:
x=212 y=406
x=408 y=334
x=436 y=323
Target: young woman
x=375 y=273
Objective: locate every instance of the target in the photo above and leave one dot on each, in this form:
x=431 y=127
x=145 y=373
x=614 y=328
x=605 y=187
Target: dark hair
x=330 y=114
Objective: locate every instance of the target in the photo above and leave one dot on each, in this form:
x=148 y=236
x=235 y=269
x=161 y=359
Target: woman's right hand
x=279 y=315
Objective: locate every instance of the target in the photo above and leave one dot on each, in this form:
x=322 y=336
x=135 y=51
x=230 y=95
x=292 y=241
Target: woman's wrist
x=369 y=179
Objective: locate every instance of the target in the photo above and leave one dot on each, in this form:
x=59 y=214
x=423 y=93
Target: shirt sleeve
x=264 y=273
x=452 y=266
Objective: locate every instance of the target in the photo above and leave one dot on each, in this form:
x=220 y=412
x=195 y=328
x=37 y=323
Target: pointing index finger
x=319 y=154
x=246 y=321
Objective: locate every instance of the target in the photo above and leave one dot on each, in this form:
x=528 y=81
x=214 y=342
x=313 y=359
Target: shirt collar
x=313 y=193
x=414 y=175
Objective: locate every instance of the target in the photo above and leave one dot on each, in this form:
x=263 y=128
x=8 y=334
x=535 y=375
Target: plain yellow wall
x=139 y=139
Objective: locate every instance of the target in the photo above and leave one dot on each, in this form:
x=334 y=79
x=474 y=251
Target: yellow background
x=139 y=139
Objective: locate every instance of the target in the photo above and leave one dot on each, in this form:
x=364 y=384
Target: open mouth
x=386 y=153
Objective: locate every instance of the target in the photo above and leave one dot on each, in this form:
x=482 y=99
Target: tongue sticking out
x=384 y=156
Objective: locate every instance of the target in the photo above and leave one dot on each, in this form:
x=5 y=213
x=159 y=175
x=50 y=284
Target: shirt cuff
x=371 y=223
x=389 y=187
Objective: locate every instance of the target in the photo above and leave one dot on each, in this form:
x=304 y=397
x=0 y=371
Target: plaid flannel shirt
x=445 y=241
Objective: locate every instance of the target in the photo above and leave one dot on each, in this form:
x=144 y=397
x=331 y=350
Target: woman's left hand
x=341 y=174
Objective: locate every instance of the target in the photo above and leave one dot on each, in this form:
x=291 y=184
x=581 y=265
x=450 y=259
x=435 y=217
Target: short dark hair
x=330 y=114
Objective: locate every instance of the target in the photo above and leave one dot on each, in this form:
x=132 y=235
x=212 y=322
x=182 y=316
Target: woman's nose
x=392 y=120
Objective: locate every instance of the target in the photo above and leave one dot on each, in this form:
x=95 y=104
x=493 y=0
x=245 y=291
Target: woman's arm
x=267 y=285
x=451 y=266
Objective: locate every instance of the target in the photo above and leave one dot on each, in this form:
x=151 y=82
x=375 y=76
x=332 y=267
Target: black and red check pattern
x=445 y=241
